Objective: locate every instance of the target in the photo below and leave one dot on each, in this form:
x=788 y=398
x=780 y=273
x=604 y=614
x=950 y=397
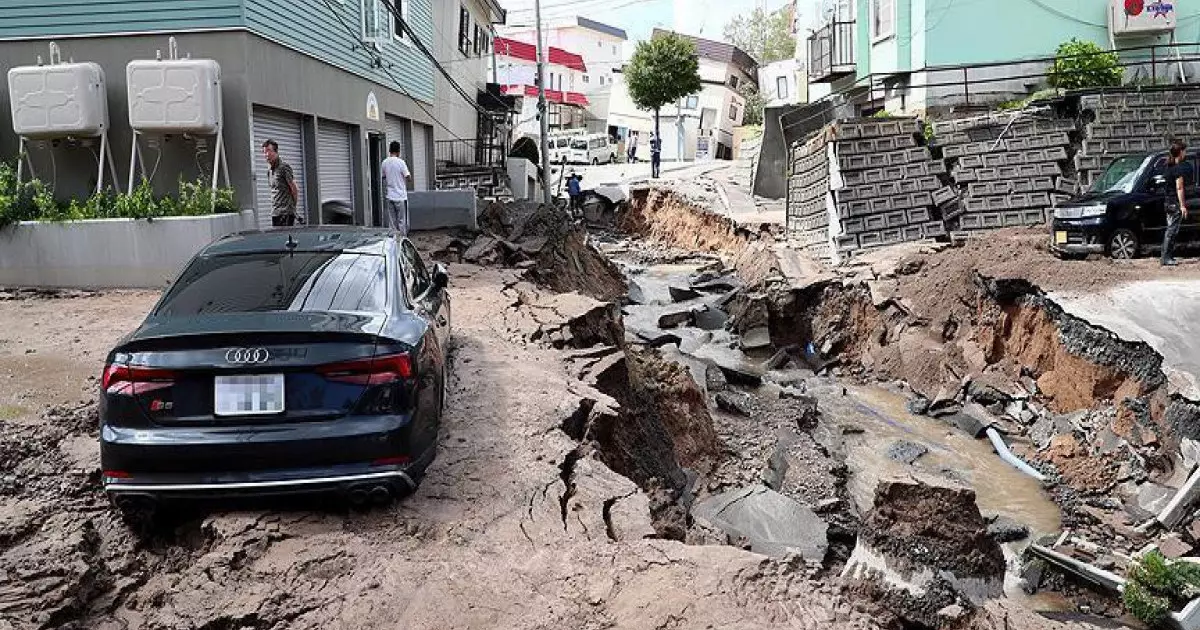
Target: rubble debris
x=683 y=295
x=906 y=452
x=711 y=318
x=735 y=403
x=918 y=406
x=773 y=524
x=1173 y=547
x=756 y=339
x=1005 y=530
x=676 y=319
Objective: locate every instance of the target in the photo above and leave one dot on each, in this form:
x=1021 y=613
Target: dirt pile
x=923 y=551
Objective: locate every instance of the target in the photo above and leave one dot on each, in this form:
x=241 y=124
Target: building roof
x=718 y=51
x=507 y=47
x=600 y=28
x=554 y=96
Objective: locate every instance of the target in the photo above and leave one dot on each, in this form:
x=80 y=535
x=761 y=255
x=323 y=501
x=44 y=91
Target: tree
x=662 y=71
x=755 y=103
x=767 y=37
x=1079 y=64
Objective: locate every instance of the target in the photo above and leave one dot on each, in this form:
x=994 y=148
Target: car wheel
x=1123 y=245
x=595 y=161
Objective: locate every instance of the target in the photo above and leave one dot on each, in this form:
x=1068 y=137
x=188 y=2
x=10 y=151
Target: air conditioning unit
x=1142 y=17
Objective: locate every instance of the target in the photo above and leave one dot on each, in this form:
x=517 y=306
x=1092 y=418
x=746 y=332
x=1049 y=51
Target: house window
x=601 y=79
x=692 y=102
x=733 y=113
x=614 y=49
x=585 y=78
x=399 y=22
x=464 y=31
x=733 y=81
x=781 y=87
x=883 y=19
x=373 y=20
x=478 y=40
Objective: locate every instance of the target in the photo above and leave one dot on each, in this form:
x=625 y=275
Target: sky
x=702 y=18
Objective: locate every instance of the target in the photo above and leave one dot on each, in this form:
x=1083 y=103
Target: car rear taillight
x=380 y=370
x=131 y=380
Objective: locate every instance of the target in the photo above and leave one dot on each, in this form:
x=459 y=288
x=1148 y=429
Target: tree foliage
x=1079 y=64
x=663 y=70
x=755 y=103
x=767 y=37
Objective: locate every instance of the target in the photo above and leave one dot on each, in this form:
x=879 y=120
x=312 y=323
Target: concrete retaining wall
x=435 y=210
x=108 y=253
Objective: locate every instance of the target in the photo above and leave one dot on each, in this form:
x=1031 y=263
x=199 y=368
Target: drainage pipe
x=1084 y=570
x=1007 y=455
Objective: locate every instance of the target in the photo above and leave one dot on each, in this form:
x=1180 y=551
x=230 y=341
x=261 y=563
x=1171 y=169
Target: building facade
x=783 y=82
x=699 y=126
x=566 y=105
x=331 y=81
x=909 y=54
x=602 y=48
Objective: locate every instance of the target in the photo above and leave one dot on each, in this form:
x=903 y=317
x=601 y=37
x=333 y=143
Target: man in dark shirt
x=1177 y=176
x=655 y=155
x=284 y=192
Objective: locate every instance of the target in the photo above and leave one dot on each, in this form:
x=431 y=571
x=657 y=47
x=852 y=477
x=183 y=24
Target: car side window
x=417 y=276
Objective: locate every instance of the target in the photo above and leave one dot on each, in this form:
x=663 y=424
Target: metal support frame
x=105 y=156
x=220 y=165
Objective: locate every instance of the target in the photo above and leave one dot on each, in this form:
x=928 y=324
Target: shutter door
x=285 y=129
x=395 y=128
x=335 y=157
x=422 y=144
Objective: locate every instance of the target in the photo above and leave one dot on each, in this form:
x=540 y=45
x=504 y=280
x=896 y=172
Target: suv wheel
x=595 y=161
x=1123 y=244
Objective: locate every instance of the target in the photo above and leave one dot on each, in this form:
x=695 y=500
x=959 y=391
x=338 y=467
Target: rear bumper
x=261 y=460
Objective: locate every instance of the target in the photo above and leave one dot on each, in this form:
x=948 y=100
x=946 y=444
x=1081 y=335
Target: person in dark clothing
x=575 y=192
x=655 y=155
x=1176 y=176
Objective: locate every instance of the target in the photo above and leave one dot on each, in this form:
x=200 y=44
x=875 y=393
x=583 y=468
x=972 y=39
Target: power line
x=366 y=48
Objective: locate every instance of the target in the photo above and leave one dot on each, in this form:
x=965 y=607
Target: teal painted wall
x=40 y=18
x=863 y=42
x=978 y=31
x=321 y=34
x=904 y=24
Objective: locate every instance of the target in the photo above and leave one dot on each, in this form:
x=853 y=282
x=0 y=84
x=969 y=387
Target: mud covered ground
x=484 y=543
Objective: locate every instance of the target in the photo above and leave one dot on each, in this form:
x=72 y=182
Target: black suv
x=1122 y=214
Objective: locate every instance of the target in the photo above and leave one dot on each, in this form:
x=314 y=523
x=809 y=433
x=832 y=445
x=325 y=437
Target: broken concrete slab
x=734 y=402
x=1004 y=530
x=683 y=295
x=636 y=294
x=1153 y=497
x=675 y=319
x=1173 y=547
x=756 y=339
x=773 y=524
x=711 y=318
x=714 y=378
x=906 y=452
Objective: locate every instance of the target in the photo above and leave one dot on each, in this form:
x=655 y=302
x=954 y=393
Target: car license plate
x=244 y=395
x=1060 y=238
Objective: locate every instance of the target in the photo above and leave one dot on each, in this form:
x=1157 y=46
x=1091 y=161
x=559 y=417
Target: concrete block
x=945 y=195
x=918 y=215
x=973 y=161
x=934 y=229
x=970 y=221
x=913 y=233
x=988 y=174
x=1057 y=199
x=881 y=204
x=1012 y=218
x=991 y=220
x=1137 y=144
x=888 y=189
x=1037 y=216
x=1018 y=144
x=1065 y=186
x=976 y=204
x=896 y=218
x=892 y=236
x=952 y=210
x=967 y=175
x=1094 y=147
x=1133 y=129
x=1090 y=101
x=875 y=222
x=870 y=239
x=1054 y=154
x=1189 y=112
x=847 y=242
x=442 y=209
x=854 y=226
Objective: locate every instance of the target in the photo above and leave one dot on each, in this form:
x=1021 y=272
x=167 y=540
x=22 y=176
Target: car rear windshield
x=579 y=144
x=279 y=281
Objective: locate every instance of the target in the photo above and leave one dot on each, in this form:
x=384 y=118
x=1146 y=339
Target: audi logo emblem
x=247 y=356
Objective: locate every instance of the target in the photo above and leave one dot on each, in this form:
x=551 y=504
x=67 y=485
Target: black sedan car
x=281 y=362
x=1122 y=215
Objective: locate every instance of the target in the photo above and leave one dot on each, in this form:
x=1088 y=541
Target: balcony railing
x=468 y=153
x=831 y=52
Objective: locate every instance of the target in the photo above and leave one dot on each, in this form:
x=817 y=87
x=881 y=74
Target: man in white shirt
x=395 y=181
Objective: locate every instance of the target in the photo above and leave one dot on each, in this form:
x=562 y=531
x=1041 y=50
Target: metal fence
x=468 y=153
x=831 y=51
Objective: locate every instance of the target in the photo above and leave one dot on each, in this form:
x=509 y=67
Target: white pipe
x=1007 y=455
x=1082 y=569
x=1171 y=515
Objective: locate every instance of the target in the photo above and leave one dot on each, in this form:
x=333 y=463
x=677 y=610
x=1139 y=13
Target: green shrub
x=32 y=201
x=1156 y=586
x=1079 y=64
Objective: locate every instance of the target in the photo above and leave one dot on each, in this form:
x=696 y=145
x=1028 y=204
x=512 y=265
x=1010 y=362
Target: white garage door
x=336 y=162
x=396 y=129
x=286 y=130
x=422 y=145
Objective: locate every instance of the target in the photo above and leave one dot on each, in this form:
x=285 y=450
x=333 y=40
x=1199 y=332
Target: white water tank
x=58 y=100
x=174 y=95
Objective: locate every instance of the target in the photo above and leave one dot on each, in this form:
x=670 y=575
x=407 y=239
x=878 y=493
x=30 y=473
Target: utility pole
x=543 y=113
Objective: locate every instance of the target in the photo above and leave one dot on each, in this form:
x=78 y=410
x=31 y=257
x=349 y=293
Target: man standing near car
x=284 y=192
x=655 y=155
x=395 y=178
x=1176 y=176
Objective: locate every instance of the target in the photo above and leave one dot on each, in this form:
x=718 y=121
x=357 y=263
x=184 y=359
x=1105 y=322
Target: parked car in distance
x=592 y=149
x=281 y=362
x=1122 y=214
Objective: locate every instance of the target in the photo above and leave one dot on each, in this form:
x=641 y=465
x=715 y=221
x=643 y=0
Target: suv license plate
x=256 y=395
x=1060 y=238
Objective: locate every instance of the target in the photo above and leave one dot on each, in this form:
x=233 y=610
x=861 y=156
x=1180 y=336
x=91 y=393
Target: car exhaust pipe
x=381 y=495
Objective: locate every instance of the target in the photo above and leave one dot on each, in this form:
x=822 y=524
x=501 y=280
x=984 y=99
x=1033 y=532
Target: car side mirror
x=441 y=278
x=1158 y=182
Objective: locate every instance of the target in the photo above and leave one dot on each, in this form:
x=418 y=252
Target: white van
x=592 y=149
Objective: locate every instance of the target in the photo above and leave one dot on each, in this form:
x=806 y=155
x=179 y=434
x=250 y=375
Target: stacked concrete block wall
x=884 y=183
x=1122 y=123
x=808 y=196
x=1008 y=169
